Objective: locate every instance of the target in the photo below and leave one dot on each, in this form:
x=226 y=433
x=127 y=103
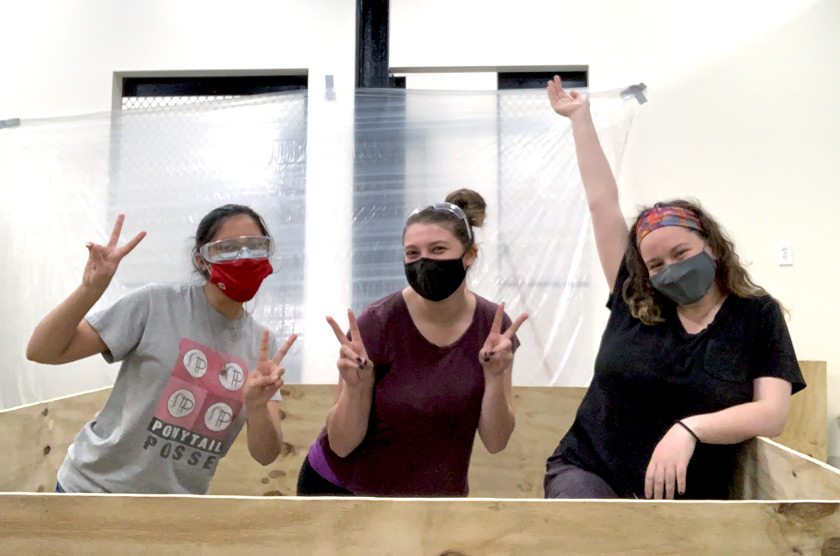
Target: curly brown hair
x=646 y=303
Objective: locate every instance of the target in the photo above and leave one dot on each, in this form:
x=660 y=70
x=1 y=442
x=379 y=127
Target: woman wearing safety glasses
x=695 y=357
x=420 y=371
x=194 y=365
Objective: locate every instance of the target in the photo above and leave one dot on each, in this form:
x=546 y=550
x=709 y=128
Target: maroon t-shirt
x=425 y=408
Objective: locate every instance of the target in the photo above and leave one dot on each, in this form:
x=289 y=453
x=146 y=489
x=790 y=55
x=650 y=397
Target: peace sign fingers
x=103 y=260
x=339 y=333
x=353 y=363
x=511 y=331
x=496 y=354
x=264 y=346
x=284 y=349
x=120 y=252
x=129 y=247
x=355 y=341
x=116 y=231
x=496 y=327
x=354 y=327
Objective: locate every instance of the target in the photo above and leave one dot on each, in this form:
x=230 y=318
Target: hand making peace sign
x=103 y=260
x=353 y=363
x=267 y=376
x=496 y=354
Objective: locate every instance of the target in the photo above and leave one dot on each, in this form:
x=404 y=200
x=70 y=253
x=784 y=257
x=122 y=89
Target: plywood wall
x=112 y=524
x=36 y=438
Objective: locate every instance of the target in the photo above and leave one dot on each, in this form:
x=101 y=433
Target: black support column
x=372 y=43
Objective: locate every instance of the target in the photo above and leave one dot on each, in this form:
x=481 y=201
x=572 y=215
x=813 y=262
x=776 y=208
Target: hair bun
x=471 y=203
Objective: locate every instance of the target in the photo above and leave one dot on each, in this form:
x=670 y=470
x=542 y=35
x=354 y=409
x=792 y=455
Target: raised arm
x=63 y=335
x=347 y=421
x=598 y=181
x=497 y=419
x=265 y=435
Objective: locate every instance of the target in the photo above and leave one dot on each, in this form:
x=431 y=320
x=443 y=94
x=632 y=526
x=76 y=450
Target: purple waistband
x=318 y=461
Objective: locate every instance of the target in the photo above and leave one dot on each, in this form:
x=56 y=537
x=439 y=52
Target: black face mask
x=435 y=279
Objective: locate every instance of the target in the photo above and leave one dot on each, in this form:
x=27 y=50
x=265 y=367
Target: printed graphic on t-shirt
x=199 y=404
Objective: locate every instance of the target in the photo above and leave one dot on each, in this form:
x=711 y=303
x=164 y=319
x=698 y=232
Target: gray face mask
x=685 y=282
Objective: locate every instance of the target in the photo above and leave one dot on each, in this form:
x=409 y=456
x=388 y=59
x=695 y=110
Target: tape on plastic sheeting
x=635 y=91
x=330 y=87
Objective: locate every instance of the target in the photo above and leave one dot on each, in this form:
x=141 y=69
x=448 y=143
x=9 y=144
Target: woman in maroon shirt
x=420 y=371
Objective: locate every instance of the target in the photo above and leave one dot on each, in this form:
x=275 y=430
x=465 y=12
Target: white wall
x=743 y=111
x=59 y=56
x=742 y=115
x=68 y=52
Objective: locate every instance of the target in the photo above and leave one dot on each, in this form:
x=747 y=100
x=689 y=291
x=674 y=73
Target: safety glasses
x=450 y=208
x=232 y=249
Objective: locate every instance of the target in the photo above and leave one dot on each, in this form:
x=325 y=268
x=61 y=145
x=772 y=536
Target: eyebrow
x=432 y=244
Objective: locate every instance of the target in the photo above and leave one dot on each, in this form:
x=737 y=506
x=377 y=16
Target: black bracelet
x=691 y=432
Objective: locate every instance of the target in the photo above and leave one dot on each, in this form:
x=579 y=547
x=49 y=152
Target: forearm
x=497 y=417
x=738 y=423
x=596 y=174
x=55 y=332
x=347 y=421
x=265 y=437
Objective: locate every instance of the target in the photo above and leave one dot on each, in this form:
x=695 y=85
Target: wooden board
x=305 y=410
x=37 y=436
x=769 y=471
x=806 y=430
x=543 y=415
x=111 y=524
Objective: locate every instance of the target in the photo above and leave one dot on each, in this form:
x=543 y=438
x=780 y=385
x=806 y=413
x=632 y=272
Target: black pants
x=310 y=483
x=564 y=480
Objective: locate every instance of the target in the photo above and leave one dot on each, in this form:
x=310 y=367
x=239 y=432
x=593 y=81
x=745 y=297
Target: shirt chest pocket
x=728 y=359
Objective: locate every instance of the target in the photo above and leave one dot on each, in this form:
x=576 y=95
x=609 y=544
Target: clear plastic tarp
x=335 y=179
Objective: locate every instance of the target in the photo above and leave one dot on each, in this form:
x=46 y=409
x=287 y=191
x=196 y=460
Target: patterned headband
x=659 y=217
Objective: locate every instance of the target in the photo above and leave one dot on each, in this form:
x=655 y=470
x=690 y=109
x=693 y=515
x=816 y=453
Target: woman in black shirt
x=695 y=357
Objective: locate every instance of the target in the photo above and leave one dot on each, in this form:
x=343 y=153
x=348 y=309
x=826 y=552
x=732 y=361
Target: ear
x=201 y=264
x=470 y=256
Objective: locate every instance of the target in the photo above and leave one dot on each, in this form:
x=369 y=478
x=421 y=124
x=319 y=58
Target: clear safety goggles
x=450 y=208
x=245 y=247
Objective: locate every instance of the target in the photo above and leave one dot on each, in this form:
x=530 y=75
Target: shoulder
x=484 y=306
x=384 y=309
x=168 y=290
x=171 y=297
x=760 y=306
x=485 y=311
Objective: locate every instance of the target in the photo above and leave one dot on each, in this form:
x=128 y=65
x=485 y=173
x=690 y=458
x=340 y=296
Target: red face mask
x=240 y=279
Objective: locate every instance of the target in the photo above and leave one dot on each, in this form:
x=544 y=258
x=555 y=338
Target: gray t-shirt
x=176 y=406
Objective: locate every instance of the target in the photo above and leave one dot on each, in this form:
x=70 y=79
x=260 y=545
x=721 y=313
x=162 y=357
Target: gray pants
x=564 y=480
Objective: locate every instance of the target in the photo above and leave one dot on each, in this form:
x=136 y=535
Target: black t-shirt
x=647 y=377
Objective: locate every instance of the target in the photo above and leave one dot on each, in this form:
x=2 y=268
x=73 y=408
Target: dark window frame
x=212 y=85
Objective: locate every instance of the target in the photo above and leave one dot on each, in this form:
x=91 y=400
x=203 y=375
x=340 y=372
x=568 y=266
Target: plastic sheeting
x=335 y=180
